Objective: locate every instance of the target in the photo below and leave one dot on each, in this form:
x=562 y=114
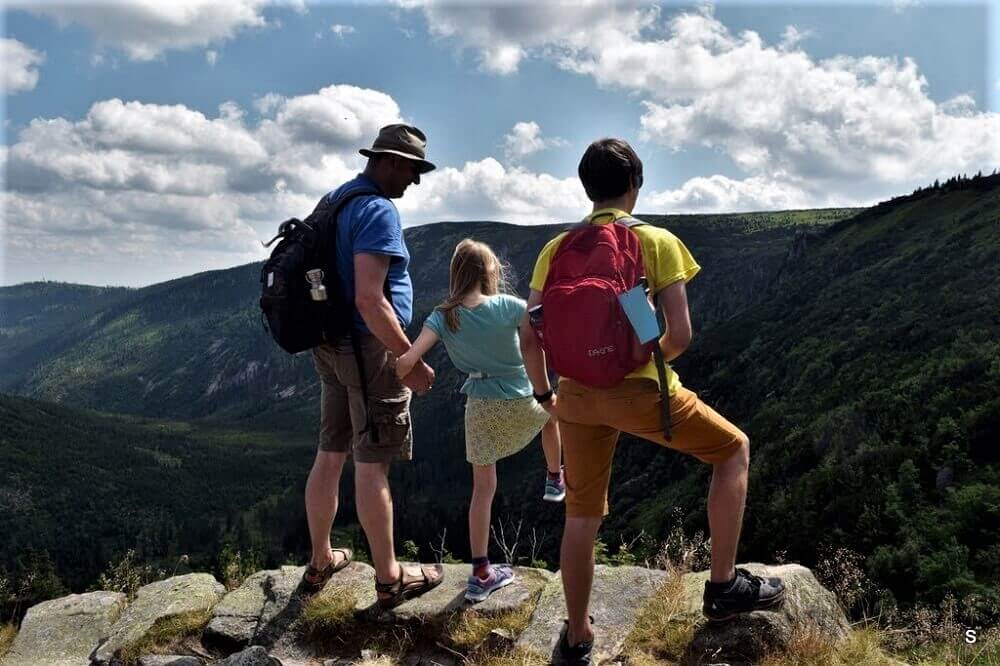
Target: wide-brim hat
x=403 y=140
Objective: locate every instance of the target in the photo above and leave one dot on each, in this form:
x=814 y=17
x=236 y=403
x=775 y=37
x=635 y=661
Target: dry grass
x=466 y=630
x=7 y=634
x=392 y=643
x=325 y=614
x=331 y=623
x=166 y=635
x=376 y=660
x=810 y=647
x=662 y=632
x=515 y=657
x=984 y=652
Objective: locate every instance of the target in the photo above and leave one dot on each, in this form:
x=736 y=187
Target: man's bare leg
x=374 y=502
x=726 y=499
x=322 y=490
x=576 y=562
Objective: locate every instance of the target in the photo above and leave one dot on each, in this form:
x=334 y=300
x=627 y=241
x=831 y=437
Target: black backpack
x=294 y=318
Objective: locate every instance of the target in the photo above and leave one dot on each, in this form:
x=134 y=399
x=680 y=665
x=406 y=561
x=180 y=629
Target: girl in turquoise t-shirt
x=479 y=328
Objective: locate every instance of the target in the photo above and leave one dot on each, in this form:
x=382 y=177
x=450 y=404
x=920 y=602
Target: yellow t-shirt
x=666 y=260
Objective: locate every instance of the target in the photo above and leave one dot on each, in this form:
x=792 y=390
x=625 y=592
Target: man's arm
x=673 y=302
x=370 y=271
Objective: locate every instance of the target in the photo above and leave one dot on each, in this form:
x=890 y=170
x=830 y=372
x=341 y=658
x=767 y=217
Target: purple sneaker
x=479 y=589
x=555 y=489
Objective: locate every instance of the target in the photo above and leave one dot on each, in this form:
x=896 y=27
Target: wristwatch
x=543 y=398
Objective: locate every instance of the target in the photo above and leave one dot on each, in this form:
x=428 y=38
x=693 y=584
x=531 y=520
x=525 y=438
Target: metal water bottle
x=316 y=288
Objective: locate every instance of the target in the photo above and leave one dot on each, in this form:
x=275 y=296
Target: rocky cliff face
x=191 y=620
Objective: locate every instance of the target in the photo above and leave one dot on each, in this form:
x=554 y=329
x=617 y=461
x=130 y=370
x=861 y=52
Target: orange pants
x=591 y=419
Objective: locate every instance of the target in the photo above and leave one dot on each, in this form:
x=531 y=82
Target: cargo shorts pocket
x=391 y=417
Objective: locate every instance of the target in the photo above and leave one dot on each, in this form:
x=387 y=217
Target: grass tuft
x=468 y=629
x=164 y=636
x=984 y=652
x=7 y=634
x=810 y=646
x=515 y=657
x=377 y=660
x=326 y=614
x=662 y=631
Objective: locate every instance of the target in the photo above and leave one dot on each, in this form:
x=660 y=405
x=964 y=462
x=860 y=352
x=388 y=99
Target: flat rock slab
x=282 y=633
x=449 y=596
x=252 y=656
x=65 y=631
x=246 y=611
x=170 y=660
x=749 y=636
x=618 y=594
x=180 y=595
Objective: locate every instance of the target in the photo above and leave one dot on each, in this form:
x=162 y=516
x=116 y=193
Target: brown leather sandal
x=408 y=586
x=314 y=580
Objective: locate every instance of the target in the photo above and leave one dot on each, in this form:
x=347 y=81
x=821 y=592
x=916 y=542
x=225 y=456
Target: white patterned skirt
x=495 y=429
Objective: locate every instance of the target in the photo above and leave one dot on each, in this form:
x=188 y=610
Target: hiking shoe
x=555 y=489
x=478 y=589
x=745 y=593
x=576 y=655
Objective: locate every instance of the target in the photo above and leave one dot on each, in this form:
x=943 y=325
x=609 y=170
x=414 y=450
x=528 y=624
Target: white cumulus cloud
x=144 y=29
x=20 y=66
x=341 y=30
x=504 y=34
x=139 y=179
x=846 y=129
x=149 y=186
x=526 y=138
x=719 y=194
x=487 y=190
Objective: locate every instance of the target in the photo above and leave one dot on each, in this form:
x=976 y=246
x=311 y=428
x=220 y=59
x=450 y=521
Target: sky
x=146 y=140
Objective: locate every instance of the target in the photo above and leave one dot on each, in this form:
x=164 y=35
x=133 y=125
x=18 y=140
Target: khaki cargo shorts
x=342 y=411
x=591 y=419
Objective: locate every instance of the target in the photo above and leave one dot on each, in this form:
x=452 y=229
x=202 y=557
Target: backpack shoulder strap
x=334 y=204
x=630 y=221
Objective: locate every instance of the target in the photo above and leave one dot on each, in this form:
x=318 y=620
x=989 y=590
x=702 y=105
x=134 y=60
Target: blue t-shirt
x=371 y=225
x=487 y=342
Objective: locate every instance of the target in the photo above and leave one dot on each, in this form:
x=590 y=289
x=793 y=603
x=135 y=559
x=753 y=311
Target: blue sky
x=143 y=143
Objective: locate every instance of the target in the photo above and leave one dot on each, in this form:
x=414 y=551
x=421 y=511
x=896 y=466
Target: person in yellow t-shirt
x=591 y=419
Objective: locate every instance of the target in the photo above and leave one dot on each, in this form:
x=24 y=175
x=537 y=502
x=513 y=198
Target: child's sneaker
x=555 y=489
x=745 y=593
x=479 y=589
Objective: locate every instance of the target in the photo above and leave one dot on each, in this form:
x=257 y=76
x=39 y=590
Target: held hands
x=405 y=363
x=419 y=379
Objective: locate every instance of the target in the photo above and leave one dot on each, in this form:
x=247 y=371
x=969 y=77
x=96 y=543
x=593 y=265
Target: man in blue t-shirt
x=371 y=261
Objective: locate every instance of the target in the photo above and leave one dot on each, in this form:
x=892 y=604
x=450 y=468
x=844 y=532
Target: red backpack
x=584 y=330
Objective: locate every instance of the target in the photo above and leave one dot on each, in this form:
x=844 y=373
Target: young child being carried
x=479 y=327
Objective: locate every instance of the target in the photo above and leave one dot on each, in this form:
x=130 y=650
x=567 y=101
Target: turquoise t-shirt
x=486 y=343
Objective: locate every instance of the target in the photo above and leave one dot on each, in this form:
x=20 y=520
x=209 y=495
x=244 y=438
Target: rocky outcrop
x=65 y=632
x=264 y=608
x=268 y=621
x=170 y=660
x=178 y=597
x=237 y=619
x=449 y=596
x=252 y=656
x=619 y=594
x=808 y=605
